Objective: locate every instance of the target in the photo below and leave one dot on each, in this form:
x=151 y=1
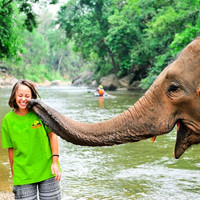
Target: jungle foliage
x=14 y=17
x=31 y=46
x=137 y=37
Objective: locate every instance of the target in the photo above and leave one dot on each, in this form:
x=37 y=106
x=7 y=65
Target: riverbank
x=9 y=80
x=109 y=82
x=6 y=196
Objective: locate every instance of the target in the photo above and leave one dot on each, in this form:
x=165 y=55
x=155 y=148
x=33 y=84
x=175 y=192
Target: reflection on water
x=101 y=100
x=131 y=171
x=5 y=175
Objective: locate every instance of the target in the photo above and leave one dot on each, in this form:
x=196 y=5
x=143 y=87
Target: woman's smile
x=23 y=96
x=23 y=103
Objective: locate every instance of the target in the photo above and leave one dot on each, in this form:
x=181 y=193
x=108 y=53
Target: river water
x=141 y=170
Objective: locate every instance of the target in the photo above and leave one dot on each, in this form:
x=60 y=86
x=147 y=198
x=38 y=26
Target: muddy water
x=132 y=171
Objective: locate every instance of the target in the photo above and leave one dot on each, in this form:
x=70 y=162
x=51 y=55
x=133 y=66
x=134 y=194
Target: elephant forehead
x=188 y=62
x=184 y=72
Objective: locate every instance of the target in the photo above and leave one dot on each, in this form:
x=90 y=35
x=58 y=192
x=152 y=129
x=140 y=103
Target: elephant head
x=173 y=99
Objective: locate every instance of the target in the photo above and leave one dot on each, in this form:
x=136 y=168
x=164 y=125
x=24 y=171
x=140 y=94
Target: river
x=141 y=170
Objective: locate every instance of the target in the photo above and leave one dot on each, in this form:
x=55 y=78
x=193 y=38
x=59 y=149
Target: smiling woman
x=31 y=147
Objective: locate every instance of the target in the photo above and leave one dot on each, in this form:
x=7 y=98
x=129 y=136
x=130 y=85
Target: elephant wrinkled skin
x=174 y=98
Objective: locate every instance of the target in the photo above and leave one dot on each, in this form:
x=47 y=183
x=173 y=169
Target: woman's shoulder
x=8 y=117
x=9 y=114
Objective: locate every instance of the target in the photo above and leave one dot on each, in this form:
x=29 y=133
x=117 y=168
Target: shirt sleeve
x=6 y=139
x=47 y=129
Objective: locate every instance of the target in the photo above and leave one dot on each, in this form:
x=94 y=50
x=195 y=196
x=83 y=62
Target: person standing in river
x=32 y=148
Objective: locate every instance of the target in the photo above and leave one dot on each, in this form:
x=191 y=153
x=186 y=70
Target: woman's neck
x=21 y=112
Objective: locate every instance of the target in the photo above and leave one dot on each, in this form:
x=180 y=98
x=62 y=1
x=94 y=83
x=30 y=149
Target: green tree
x=86 y=23
x=133 y=36
x=126 y=35
x=15 y=16
x=10 y=28
x=170 y=31
x=45 y=54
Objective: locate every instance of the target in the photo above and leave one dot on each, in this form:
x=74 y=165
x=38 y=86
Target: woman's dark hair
x=12 y=101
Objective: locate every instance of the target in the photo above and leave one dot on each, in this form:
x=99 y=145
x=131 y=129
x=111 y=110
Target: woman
x=32 y=148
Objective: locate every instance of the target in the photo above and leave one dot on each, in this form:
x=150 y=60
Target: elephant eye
x=172 y=88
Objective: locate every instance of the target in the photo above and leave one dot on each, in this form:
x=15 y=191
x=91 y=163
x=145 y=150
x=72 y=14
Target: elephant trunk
x=135 y=124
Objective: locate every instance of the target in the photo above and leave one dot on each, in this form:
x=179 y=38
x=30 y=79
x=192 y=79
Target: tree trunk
x=59 y=62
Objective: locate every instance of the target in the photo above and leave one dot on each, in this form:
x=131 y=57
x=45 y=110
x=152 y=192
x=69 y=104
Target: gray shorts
x=48 y=190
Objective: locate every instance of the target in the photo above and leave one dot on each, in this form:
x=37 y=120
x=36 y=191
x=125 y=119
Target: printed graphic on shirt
x=36 y=124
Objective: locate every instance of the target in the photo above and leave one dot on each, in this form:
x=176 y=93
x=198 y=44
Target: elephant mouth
x=185 y=138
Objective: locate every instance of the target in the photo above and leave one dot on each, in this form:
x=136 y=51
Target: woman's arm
x=10 y=155
x=55 y=151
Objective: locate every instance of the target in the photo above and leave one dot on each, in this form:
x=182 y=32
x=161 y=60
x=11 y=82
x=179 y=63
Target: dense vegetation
x=32 y=47
x=137 y=37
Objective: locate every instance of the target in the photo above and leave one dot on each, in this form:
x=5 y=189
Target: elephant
x=173 y=99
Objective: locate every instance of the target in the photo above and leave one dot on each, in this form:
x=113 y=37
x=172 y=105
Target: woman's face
x=23 y=96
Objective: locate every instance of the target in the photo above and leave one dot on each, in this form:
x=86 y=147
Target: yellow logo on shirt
x=36 y=124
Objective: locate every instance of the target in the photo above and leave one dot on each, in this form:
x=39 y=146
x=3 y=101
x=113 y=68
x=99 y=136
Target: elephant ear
x=185 y=138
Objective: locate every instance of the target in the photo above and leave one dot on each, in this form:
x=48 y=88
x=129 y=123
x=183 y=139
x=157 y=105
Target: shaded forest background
x=135 y=37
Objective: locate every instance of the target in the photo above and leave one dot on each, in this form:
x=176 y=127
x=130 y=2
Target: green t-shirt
x=32 y=152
